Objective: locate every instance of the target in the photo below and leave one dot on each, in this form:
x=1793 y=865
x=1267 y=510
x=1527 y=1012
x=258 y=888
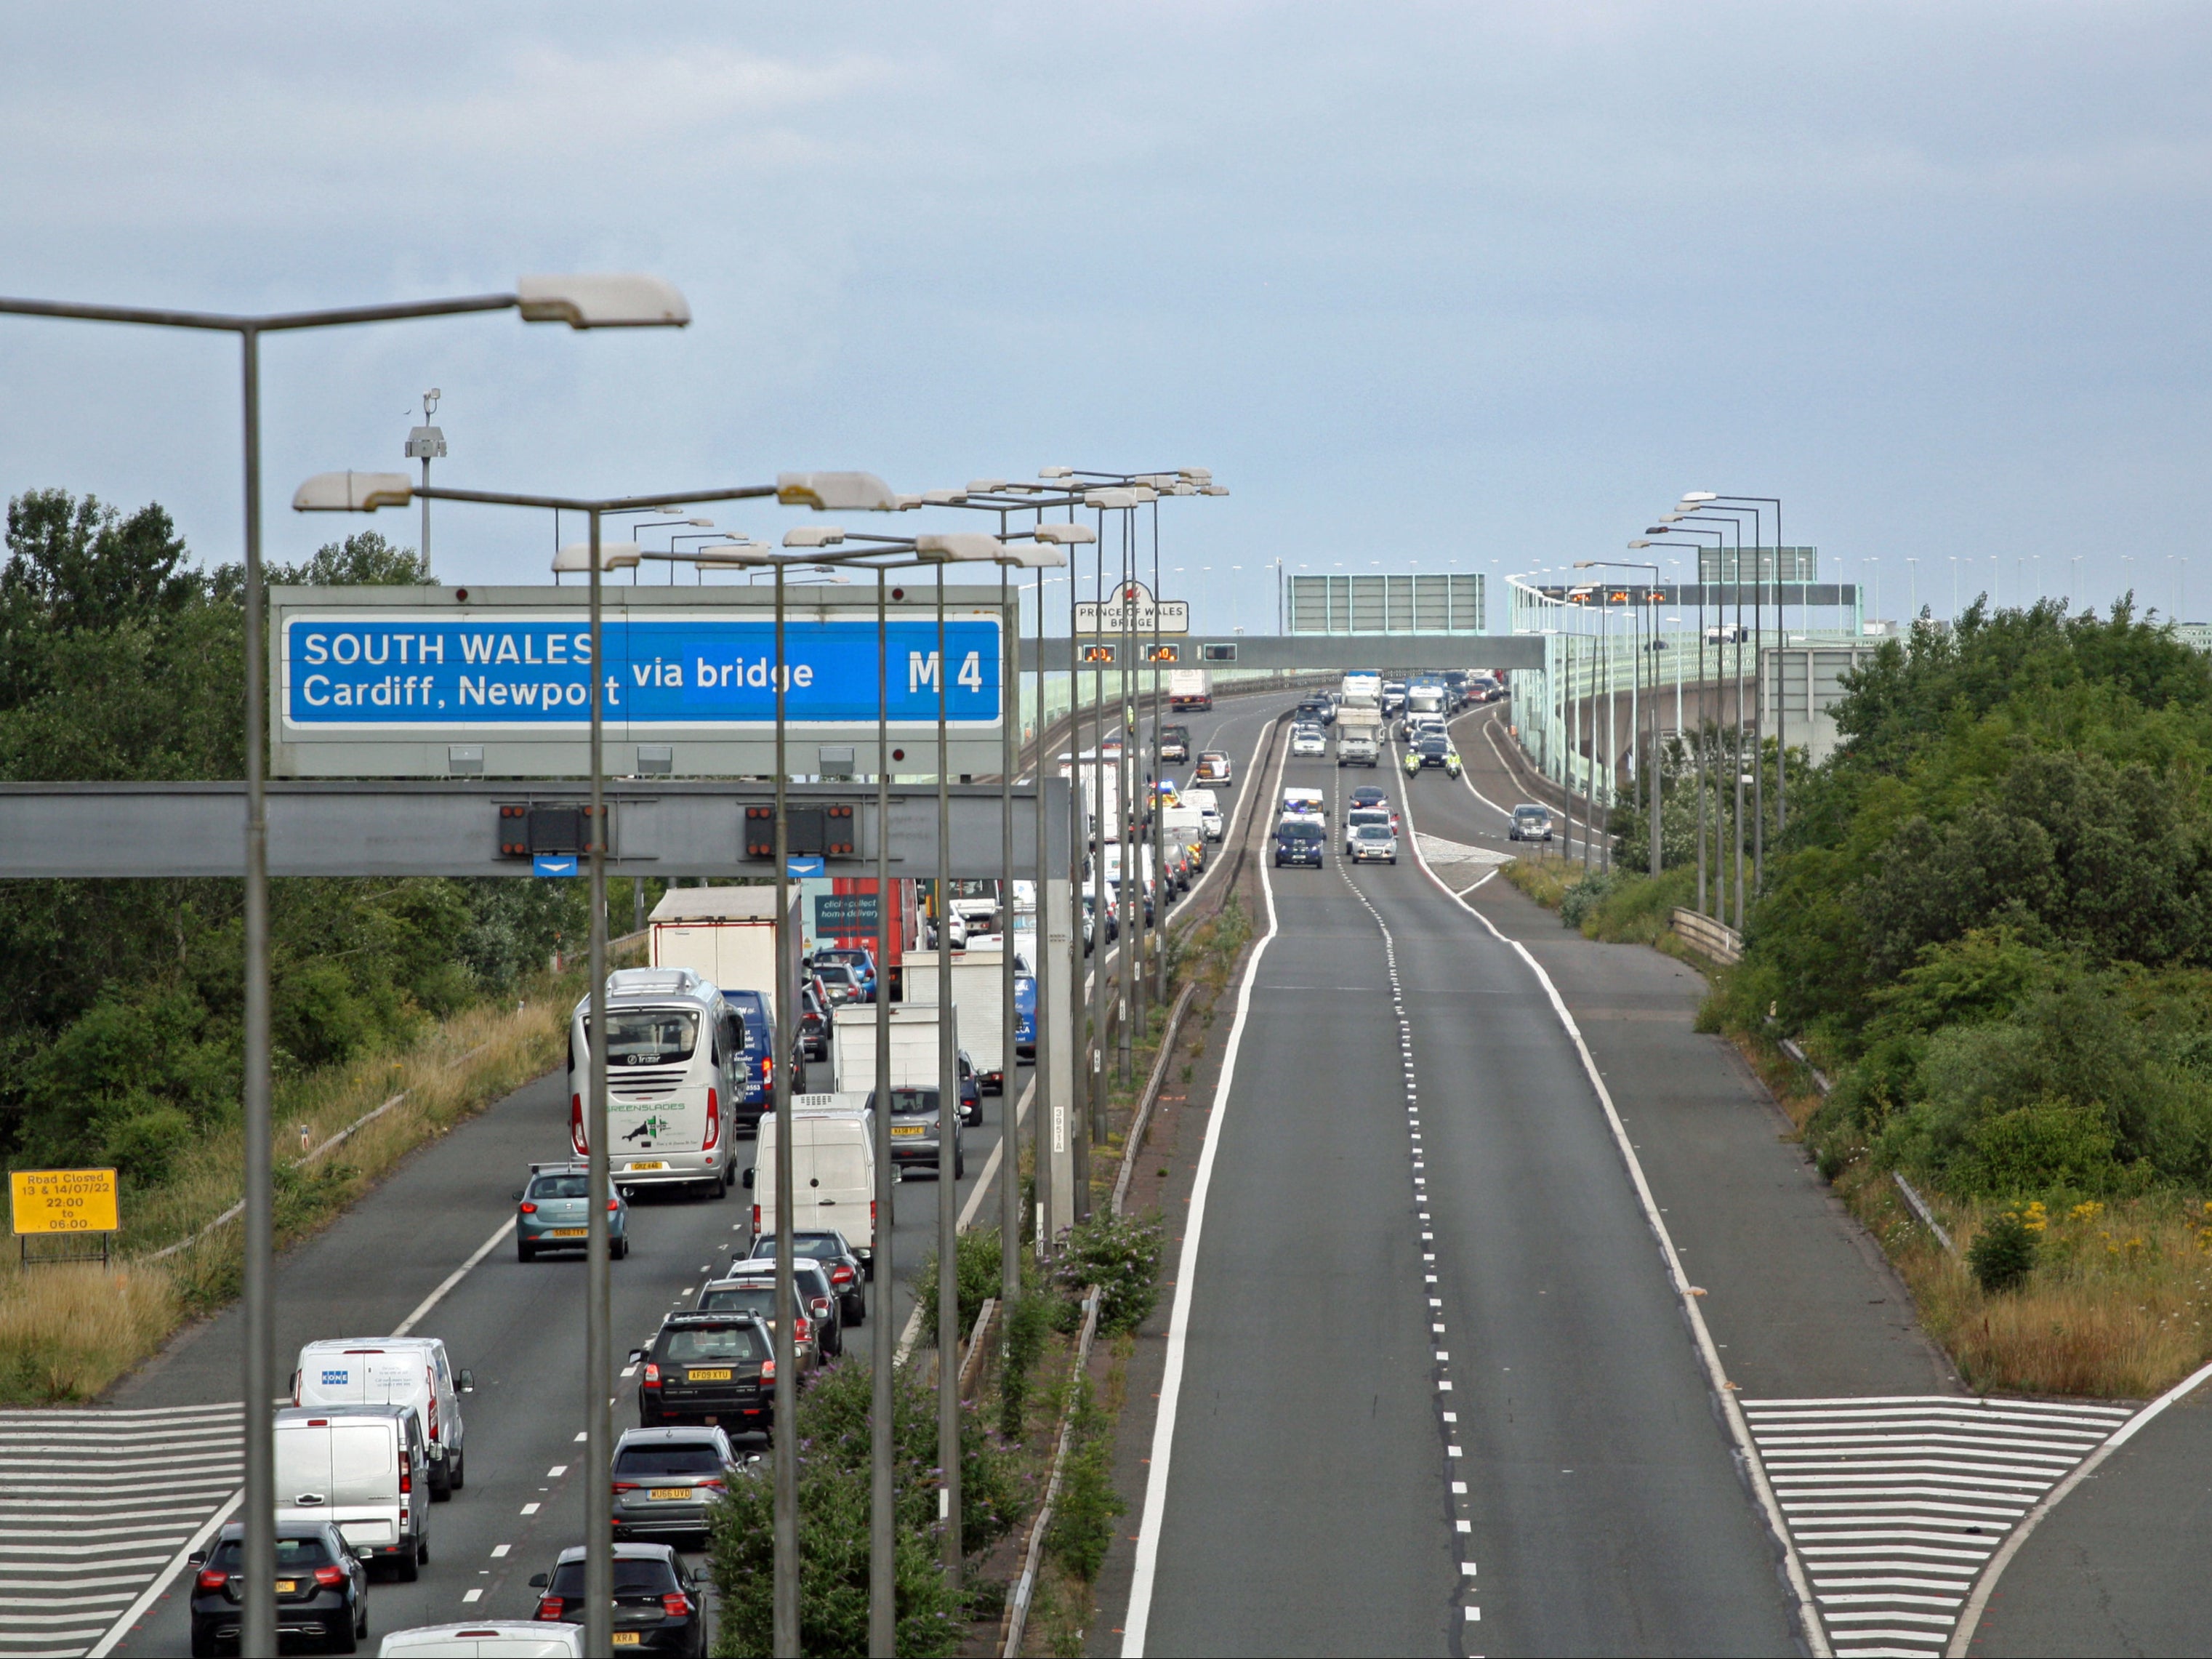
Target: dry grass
x=2115 y=1308
x=1544 y=877
x=66 y=1332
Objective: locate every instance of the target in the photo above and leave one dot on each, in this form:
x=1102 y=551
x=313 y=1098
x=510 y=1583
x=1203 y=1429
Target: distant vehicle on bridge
x=1190 y=690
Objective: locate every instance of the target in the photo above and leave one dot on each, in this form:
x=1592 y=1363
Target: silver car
x=1373 y=844
x=665 y=1479
x=915 y=1131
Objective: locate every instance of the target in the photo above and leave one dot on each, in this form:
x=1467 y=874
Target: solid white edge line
x=162 y=1579
x=1138 y=1618
x=912 y=1327
x=1814 y=1634
x=453 y=1278
x=1963 y=1633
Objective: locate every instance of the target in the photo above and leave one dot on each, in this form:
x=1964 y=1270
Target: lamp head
x=1698 y=497
x=985 y=486
x=613 y=556
x=1108 y=498
x=835 y=492
x=352 y=492
x=621 y=301
x=960 y=547
x=1055 y=472
x=814 y=535
x=1066 y=535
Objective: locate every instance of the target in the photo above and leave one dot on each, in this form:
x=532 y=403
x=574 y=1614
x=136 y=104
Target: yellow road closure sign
x=63 y=1200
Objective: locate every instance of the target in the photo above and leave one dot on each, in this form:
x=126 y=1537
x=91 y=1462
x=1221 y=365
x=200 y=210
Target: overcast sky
x=1474 y=284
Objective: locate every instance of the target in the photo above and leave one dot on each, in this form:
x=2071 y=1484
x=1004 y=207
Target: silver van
x=394 y=1370
x=363 y=1469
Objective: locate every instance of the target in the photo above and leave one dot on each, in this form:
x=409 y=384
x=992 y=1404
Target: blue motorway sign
x=406 y=673
x=555 y=864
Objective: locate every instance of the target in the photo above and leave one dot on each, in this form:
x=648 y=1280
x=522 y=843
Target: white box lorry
x=1190 y=690
x=727 y=934
x=913 y=1046
x=978 y=996
x=1359 y=735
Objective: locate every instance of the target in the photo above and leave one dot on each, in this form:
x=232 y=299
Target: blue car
x=553 y=1212
x=758 y=1098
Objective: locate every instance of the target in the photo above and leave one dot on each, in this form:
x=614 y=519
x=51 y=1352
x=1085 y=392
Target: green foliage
x=2003 y=1254
x=1993 y=908
x=1585 y=894
x=1119 y=1255
x=120 y=1000
x=974 y=1273
x=1027 y=1327
x=834 y=1505
x=1082 y=1527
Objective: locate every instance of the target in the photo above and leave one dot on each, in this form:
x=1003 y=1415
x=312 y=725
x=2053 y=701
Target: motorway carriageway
x=519 y=1328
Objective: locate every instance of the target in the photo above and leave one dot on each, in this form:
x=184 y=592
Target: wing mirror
x=198 y=1558
x=749 y=1175
x=539 y=1580
x=637 y=1356
x=468 y=1382
x=517 y=1195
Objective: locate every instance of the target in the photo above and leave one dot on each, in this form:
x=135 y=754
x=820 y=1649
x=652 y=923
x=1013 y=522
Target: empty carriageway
x=1430 y=1384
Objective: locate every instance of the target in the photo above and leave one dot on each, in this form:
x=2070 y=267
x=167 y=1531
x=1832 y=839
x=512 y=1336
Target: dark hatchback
x=658 y=1607
x=322 y=1591
x=1300 y=841
x=716 y=1368
x=828 y=1250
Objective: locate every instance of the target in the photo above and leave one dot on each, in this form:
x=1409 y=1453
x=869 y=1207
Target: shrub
x=974 y=1273
x=1583 y=897
x=1119 y=1255
x=2003 y=1254
x=1083 y=1520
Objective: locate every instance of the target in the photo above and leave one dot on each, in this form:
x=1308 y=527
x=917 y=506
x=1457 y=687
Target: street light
x=1651 y=615
x=367 y=492
x=581 y=302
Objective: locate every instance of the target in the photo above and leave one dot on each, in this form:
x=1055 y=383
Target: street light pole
x=580 y=301
x=882 y=1539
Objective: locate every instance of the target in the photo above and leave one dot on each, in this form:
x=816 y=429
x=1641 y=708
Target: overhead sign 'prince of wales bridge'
x=458 y=681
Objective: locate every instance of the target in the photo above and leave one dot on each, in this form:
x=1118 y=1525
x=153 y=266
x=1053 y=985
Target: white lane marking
x=470 y=1595
x=530 y=1509
x=162 y=1579
x=1814 y=1632
x=557 y=1471
x=499 y=1550
x=1139 y=1616
x=583 y=1435
x=911 y=1333
x=453 y=1278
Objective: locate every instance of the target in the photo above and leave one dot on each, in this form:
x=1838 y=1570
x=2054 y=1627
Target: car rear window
x=1374 y=832
x=292 y=1553
x=913 y=1103
x=703 y=1458
x=739 y=1298
x=632 y=1578
x=561 y=1186
x=692 y=1344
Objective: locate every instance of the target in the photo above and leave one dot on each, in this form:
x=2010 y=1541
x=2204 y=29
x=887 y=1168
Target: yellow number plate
x=719 y=1374
x=907 y=1129
x=625 y=1638
x=656 y=1165
x=568 y=1233
x=286 y=1586
x=678 y=1493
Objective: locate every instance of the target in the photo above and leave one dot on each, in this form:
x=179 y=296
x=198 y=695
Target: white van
x=676 y=1064
x=490 y=1638
x=833 y=1172
x=396 y=1370
x=1306 y=804
x=1208 y=807
x=362 y=1468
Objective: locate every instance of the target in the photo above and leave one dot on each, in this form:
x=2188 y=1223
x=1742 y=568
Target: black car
x=1300 y=841
x=1318 y=709
x=971 y=1091
x=716 y=1368
x=829 y=1251
x=1367 y=795
x=816 y=1023
x=322 y=1590
x=1175 y=742
x=657 y=1605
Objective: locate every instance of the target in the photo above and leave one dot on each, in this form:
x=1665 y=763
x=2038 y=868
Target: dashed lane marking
x=93 y=1506
x=1896 y=1504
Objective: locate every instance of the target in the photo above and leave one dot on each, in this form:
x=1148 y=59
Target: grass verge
x=66 y=1332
